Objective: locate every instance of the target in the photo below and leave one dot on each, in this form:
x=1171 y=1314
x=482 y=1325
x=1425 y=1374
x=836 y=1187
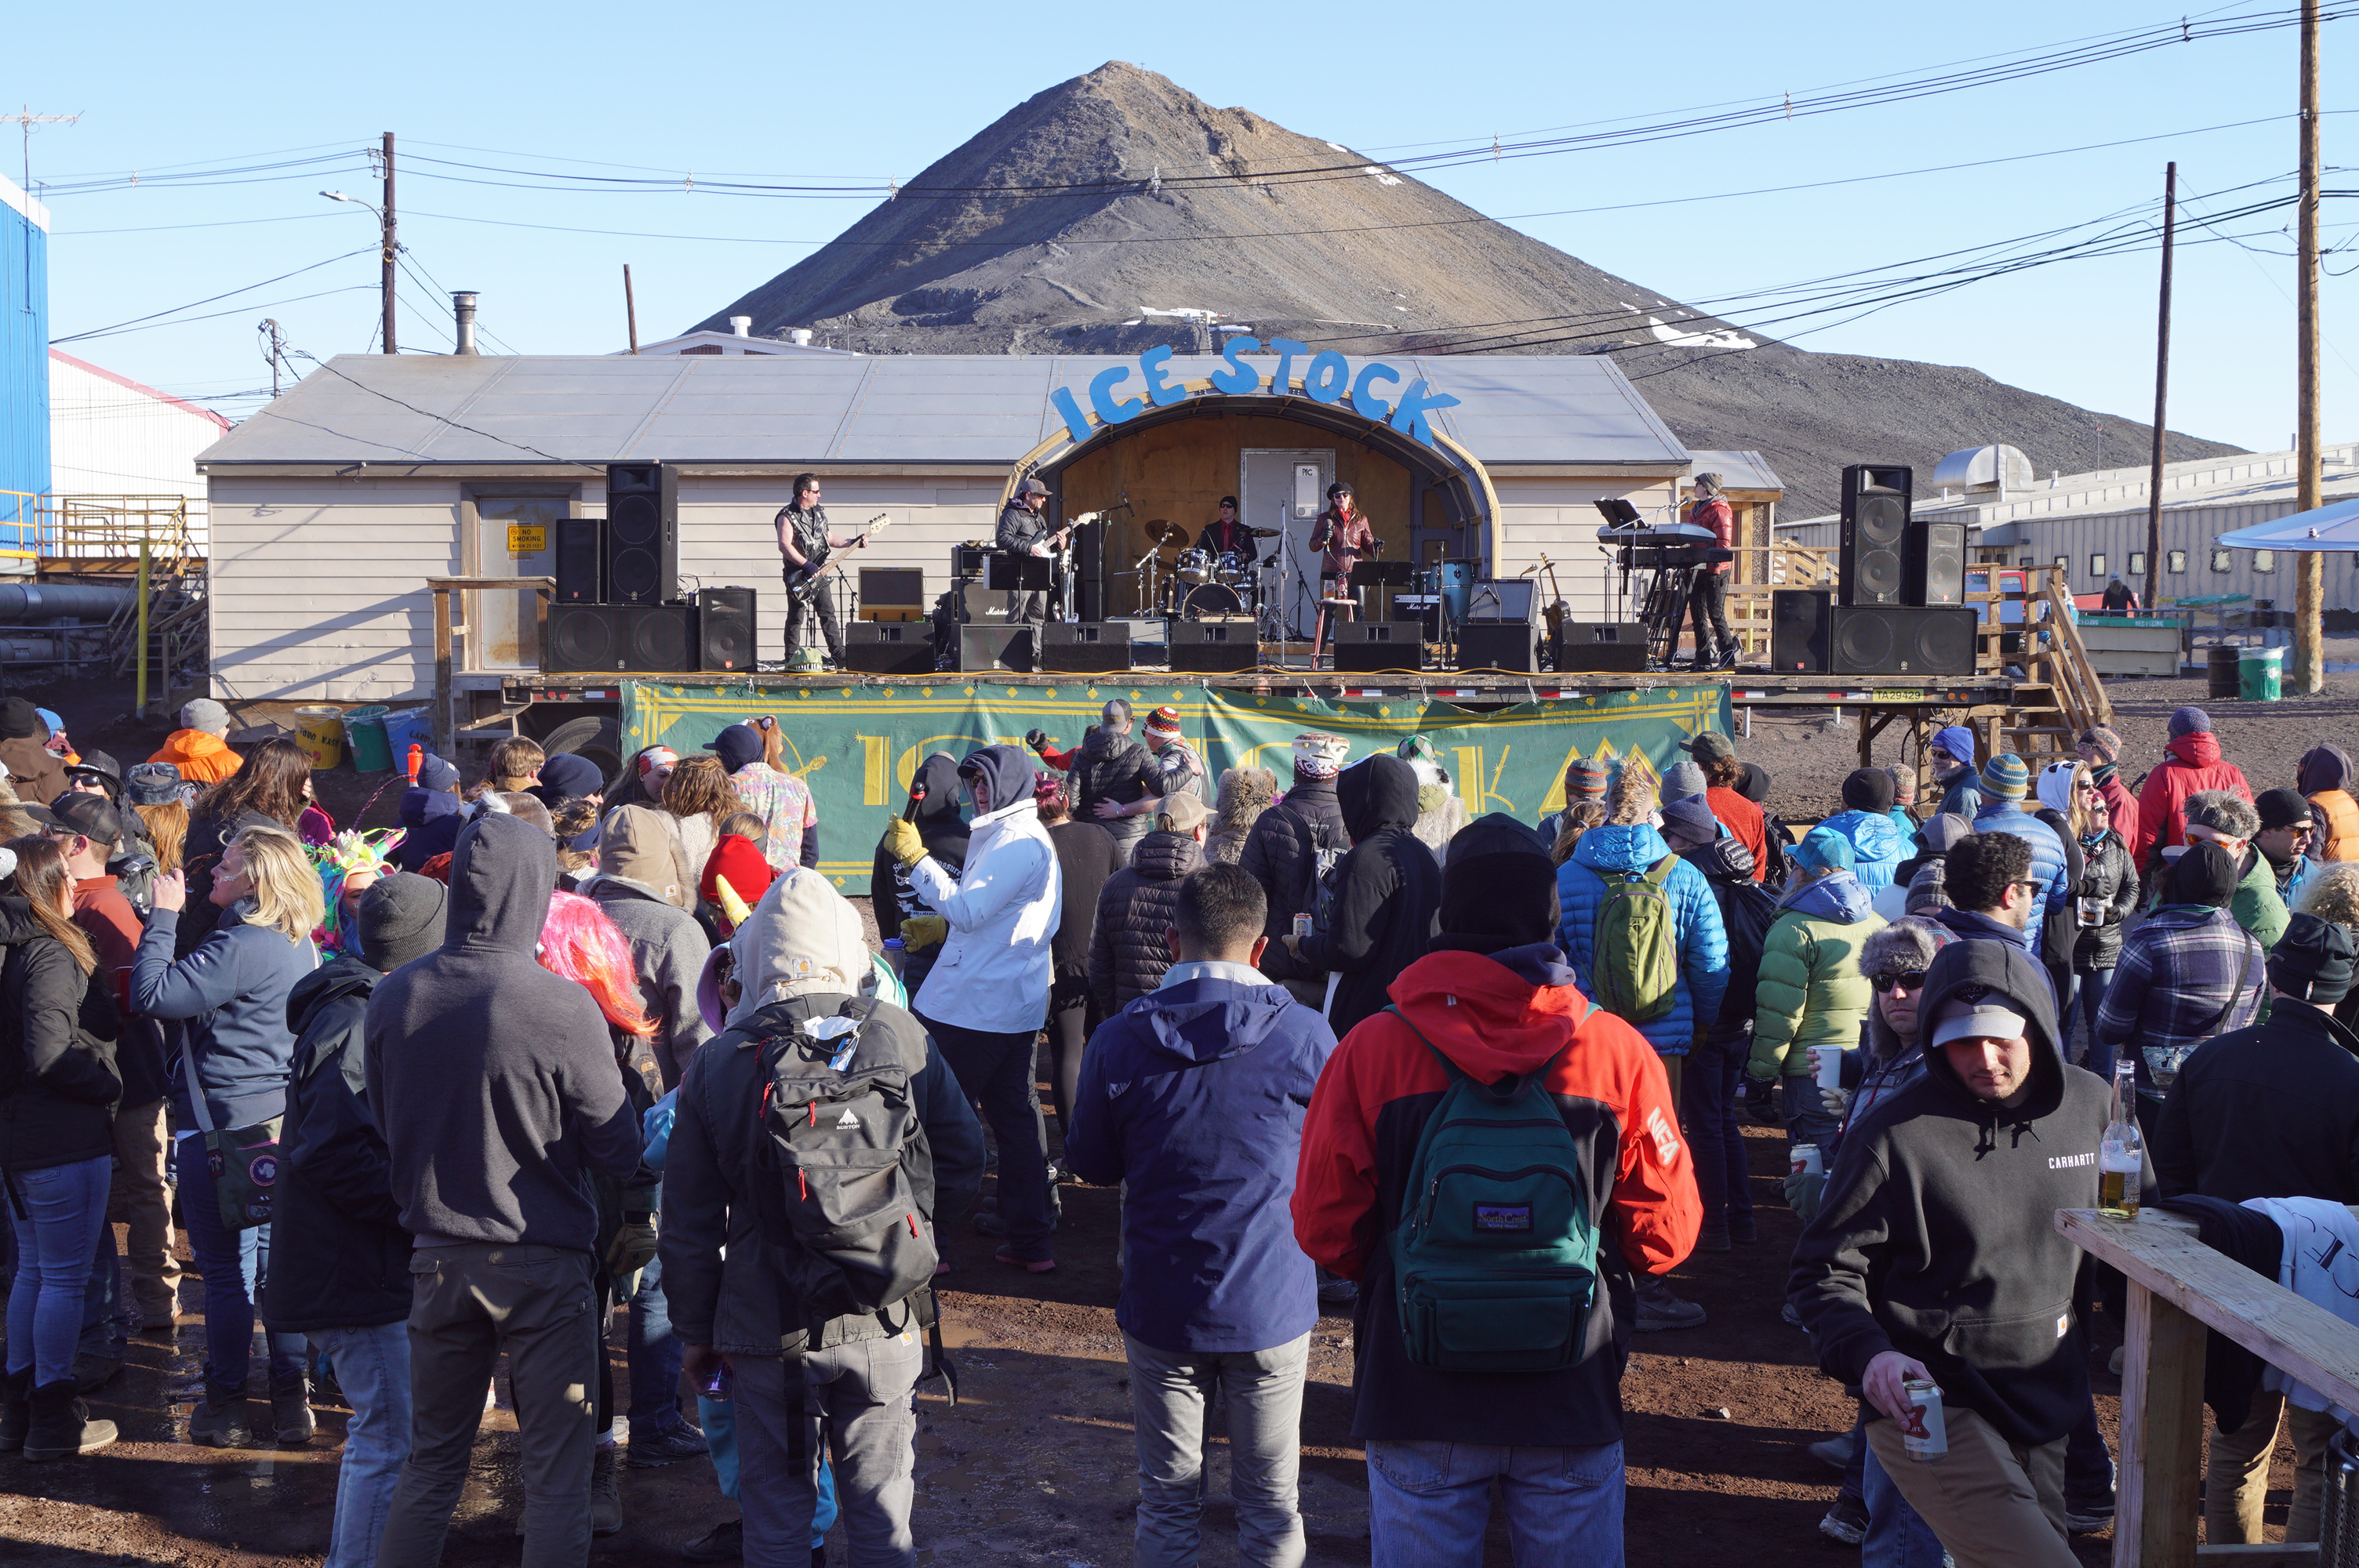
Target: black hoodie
x=1116 y=768
x=1936 y=1236
x=1281 y=853
x=938 y=822
x=1387 y=891
x=492 y=1079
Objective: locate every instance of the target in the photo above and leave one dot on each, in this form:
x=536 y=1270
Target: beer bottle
x=2122 y=1154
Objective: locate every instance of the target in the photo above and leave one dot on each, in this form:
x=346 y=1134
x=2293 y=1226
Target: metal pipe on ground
x=52 y=601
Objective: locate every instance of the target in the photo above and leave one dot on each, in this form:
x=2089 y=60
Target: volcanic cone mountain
x=1117 y=210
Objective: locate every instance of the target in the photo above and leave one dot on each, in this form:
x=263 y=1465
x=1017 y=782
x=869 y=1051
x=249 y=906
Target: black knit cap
x=18 y=721
x=2203 y=875
x=2313 y=961
x=1868 y=789
x=1499 y=883
x=2281 y=808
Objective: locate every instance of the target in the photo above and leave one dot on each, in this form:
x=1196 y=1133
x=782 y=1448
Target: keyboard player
x=1708 y=588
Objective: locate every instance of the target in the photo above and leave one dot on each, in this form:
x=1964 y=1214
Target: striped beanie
x=1163 y=724
x=2104 y=739
x=1584 y=779
x=1319 y=756
x=2005 y=775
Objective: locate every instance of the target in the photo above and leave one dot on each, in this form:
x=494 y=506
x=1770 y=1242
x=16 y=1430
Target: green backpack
x=1494 y=1260
x=1633 y=952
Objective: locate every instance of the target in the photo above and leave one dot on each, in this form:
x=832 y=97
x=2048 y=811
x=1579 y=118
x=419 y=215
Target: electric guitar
x=803 y=581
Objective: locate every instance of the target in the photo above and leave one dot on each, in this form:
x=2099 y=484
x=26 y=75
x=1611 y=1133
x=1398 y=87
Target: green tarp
x=858 y=747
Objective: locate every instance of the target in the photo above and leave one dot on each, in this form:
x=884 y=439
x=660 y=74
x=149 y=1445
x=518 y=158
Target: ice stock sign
x=1327 y=377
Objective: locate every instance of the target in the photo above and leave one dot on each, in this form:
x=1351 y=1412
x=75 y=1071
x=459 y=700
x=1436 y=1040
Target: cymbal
x=1162 y=531
x=1263 y=533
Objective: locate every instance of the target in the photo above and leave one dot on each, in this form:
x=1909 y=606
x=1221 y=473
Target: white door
x=514 y=537
x=1286 y=488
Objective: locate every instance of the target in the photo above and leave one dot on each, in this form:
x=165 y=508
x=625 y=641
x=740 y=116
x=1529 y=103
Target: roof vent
x=1999 y=469
x=742 y=325
x=799 y=336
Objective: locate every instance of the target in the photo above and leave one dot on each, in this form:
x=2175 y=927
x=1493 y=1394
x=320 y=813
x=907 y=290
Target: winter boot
x=218 y=1419
x=290 y=1411
x=15 y=1408
x=1660 y=1310
x=605 y=1493
x=61 y=1426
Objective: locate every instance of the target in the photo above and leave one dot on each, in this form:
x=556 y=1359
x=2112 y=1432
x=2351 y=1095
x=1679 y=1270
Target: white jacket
x=1003 y=908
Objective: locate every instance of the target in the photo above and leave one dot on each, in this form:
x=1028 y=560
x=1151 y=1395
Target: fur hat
x=1902 y=945
x=2225 y=812
x=2332 y=893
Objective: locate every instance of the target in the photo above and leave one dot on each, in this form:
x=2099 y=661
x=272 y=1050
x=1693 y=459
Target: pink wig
x=582 y=945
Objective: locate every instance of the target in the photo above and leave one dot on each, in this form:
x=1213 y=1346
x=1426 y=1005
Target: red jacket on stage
x=2189 y=764
x=1715 y=513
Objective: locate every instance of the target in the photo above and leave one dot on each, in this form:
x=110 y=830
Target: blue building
x=24 y=358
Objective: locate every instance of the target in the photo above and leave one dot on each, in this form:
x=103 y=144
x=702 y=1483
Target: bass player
x=803 y=545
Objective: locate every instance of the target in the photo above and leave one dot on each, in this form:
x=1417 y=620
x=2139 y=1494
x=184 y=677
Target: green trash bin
x=2260 y=673
x=365 y=729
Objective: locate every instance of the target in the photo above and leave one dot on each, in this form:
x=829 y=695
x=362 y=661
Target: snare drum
x=1195 y=566
x=1236 y=568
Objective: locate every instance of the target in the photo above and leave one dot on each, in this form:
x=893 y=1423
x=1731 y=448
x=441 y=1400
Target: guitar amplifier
x=890 y=647
x=1001 y=647
x=1597 y=647
x=1085 y=648
x=1365 y=647
x=1214 y=647
x=1498 y=646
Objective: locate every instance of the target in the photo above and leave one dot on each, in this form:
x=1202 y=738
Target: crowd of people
x=559 y=1046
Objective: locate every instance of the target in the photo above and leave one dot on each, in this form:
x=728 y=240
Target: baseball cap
x=91 y=815
x=1181 y=812
x=1964 y=1020
x=1031 y=487
x=1709 y=745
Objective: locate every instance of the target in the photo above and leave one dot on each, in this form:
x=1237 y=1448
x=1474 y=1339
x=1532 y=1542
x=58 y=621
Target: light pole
x=384 y=227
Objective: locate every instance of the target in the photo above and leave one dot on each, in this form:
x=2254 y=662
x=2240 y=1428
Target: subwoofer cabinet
x=890 y=647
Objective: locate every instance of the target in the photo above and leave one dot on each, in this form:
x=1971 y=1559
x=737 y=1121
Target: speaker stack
x=1898 y=607
x=619 y=606
x=1367 y=647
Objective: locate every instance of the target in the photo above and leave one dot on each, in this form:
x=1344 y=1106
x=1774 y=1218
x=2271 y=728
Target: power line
x=119 y=325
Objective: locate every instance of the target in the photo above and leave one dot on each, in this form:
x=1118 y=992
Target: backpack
x=1325 y=856
x=1634 y=951
x=1494 y=1259
x=835 y=1158
x=1747 y=910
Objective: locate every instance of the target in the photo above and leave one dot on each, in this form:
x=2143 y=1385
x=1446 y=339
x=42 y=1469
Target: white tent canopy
x=2323 y=528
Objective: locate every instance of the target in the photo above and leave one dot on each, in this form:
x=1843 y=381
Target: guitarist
x=803 y=545
x=1023 y=532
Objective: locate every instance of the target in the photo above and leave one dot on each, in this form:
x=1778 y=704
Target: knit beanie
x=740 y=859
x=1585 y=778
x=401 y=918
x=1162 y=725
x=1928 y=889
x=1752 y=782
x=2189 y=721
x=2203 y=875
x=2098 y=737
x=2281 y=808
x=1498 y=882
x=19 y=720
x=2313 y=961
x=1957 y=742
x=2005 y=776
x=1683 y=780
x=1691 y=818
x=434 y=773
x=1868 y=789
x=1319 y=756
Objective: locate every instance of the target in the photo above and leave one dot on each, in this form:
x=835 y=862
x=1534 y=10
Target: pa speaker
x=637 y=638
x=1874 y=522
x=1902 y=640
x=584 y=637
x=1002 y=647
x=1798 y=629
x=1214 y=647
x=889 y=648
x=642 y=532
x=1933 y=564
x=1085 y=648
x=659 y=638
x=1498 y=646
x=1598 y=647
x=581 y=560
x=724 y=629
x=1366 y=647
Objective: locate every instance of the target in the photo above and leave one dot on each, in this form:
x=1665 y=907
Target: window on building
x=2175 y=561
x=2064 y=568
x=2027 y=561
x=2096 y=566
x=2265 y=560
x=2219 y=561
x=2137 y=563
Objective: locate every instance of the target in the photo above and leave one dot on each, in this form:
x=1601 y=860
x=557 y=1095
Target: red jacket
x=1715 y=513
x=1746 y=823
x=2122 y=811
x=1492 y=1016
x=2189 y=764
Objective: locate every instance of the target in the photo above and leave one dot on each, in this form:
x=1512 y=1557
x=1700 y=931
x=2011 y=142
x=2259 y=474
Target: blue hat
x=1823 y=849
x=2006 y=776
x=737 y=746
x=1958 y=741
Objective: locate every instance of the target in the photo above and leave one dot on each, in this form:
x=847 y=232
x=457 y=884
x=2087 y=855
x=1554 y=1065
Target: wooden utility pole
x=630 y=308
x=2310 y=566
x=391 y=247
x=2161 y=392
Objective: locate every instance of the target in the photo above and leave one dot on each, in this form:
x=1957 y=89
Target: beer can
x=1302 y=928
x=1926 y=1395
x=1807 y=1160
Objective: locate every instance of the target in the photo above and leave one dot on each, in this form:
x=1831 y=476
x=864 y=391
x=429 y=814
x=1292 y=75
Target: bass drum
x=1195 y=566
x=1211 y=599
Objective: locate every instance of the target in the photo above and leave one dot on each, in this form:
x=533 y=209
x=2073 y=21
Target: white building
x=111 y=436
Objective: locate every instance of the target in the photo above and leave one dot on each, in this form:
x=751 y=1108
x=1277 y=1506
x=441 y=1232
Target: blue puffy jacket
x=1878 y=845
x=2048 y=863
x=1702 y=940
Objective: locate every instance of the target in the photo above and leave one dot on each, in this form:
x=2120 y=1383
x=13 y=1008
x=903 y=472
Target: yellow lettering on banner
x=876 y=755
x=1470 y=766
x=525 y=539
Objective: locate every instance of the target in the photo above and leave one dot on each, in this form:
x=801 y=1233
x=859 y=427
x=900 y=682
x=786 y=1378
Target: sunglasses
x=1906 y=980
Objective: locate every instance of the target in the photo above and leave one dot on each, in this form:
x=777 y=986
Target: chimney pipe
x=800 y=337
x=742 y=325
x=462 y=307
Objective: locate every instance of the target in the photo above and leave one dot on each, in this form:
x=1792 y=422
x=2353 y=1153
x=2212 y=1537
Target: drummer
x=1226 y=536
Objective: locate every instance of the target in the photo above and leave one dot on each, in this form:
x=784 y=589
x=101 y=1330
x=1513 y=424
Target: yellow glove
x=903 y=842
x=921 y=932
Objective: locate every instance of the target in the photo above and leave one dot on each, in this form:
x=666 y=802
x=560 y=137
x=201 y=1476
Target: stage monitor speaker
x=584 y=637
x=642 y=532
x=1085 y=648
x=889 y=648
x=1933 y=564
x=581 y=560
x=1498 y=646
x=1214 y=647
x=1600 y=647
x=1874 y=522
x=1364 y=647
x=999 y=648
x=1507 y=598
x=1902 y=640
x=724 y=629
x=1798 y=631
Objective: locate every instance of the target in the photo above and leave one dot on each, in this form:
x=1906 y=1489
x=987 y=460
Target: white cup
x=1827 y=1061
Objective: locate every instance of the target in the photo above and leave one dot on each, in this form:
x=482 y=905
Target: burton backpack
x=1634 y=952
x=1494 y=1260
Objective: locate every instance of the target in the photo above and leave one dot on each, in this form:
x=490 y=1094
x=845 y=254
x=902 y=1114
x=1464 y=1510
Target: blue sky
x=867 y=93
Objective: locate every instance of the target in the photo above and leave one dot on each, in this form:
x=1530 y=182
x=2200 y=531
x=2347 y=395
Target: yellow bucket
x=322 y=732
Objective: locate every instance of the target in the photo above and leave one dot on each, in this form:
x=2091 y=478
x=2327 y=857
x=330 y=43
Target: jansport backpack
x=1494 y=1260
x=1634 y=951
x=835 y=1157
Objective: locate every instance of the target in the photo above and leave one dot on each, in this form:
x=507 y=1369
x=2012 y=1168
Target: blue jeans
x=57 y=1213
x=373 y=1368
x=1709 y=1087
x=101 y=1329
x=996 y=1072
x=1428 y=1502
x=2093 y=988
x=719 y=1419
x=235 y=1262
x=654 y=1357
x=1897 y=1536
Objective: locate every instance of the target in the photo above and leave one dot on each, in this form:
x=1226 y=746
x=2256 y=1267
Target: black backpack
x=1747 y=910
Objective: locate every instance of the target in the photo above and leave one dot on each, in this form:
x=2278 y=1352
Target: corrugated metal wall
x=24 y=346
x=2190 y=529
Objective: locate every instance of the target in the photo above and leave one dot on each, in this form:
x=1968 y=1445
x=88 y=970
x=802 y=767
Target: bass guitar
x=803 y=581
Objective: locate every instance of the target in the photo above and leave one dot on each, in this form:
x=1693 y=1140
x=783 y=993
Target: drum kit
x=1200 y=584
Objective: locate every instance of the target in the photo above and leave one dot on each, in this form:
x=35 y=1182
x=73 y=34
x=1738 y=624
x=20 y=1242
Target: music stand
x=1019 y=574
x=1383 y=574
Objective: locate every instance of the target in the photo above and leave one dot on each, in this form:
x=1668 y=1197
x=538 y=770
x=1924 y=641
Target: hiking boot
x=605 y=1493
x=725 y=1542
x=291 y=1421
x=1846 y=1521
x=2087 y=1516
x=15 y=1408
x=1743 y=1230
x=1713 y=1236
x=679 y=1441
x=1659 y=1309
x=1834 y=1452
x=1030 y=1265
x=987 y=1222
x=61 y=1427
x=94 y=1371
x=218 y=1419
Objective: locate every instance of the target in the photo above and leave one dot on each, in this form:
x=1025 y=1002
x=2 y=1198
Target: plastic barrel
x=321 y=731
x=404 y=725
x=365 y=728
x=2222 y=667
x=2260 y=673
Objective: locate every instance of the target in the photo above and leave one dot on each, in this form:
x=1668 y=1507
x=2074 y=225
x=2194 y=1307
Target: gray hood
x=802 y=939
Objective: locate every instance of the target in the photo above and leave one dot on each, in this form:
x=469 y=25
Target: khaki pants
x=1994 y=1504
x=2236 y=1478
x=142 y=1200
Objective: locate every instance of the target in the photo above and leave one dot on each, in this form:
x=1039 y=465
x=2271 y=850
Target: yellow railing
x=20 y=514
x=112 y=527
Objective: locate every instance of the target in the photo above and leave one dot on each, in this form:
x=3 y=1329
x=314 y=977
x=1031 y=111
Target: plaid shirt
x=2172 y=989
x=784 y=804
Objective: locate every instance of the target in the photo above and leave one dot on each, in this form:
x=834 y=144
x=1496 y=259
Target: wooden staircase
x=2060 y=695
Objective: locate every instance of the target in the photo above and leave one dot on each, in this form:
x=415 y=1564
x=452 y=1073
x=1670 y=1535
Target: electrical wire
x=135 y=320
x=438 y=418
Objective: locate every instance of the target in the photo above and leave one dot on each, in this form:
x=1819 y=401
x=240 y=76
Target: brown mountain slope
x=1084 y=218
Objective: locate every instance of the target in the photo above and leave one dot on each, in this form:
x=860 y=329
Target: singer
x=1342 y=532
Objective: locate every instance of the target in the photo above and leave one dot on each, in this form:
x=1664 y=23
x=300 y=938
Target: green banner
x=858 y=747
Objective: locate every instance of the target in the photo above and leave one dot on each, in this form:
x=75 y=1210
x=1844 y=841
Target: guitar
x=803 y=580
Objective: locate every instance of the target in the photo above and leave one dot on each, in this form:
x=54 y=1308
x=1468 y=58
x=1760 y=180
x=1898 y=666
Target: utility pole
x=630 y=308
x=2161 y=391
x=2310 y=566
x=391 y=246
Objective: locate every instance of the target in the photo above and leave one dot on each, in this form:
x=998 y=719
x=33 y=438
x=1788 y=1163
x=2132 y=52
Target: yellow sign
x=527 y=541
